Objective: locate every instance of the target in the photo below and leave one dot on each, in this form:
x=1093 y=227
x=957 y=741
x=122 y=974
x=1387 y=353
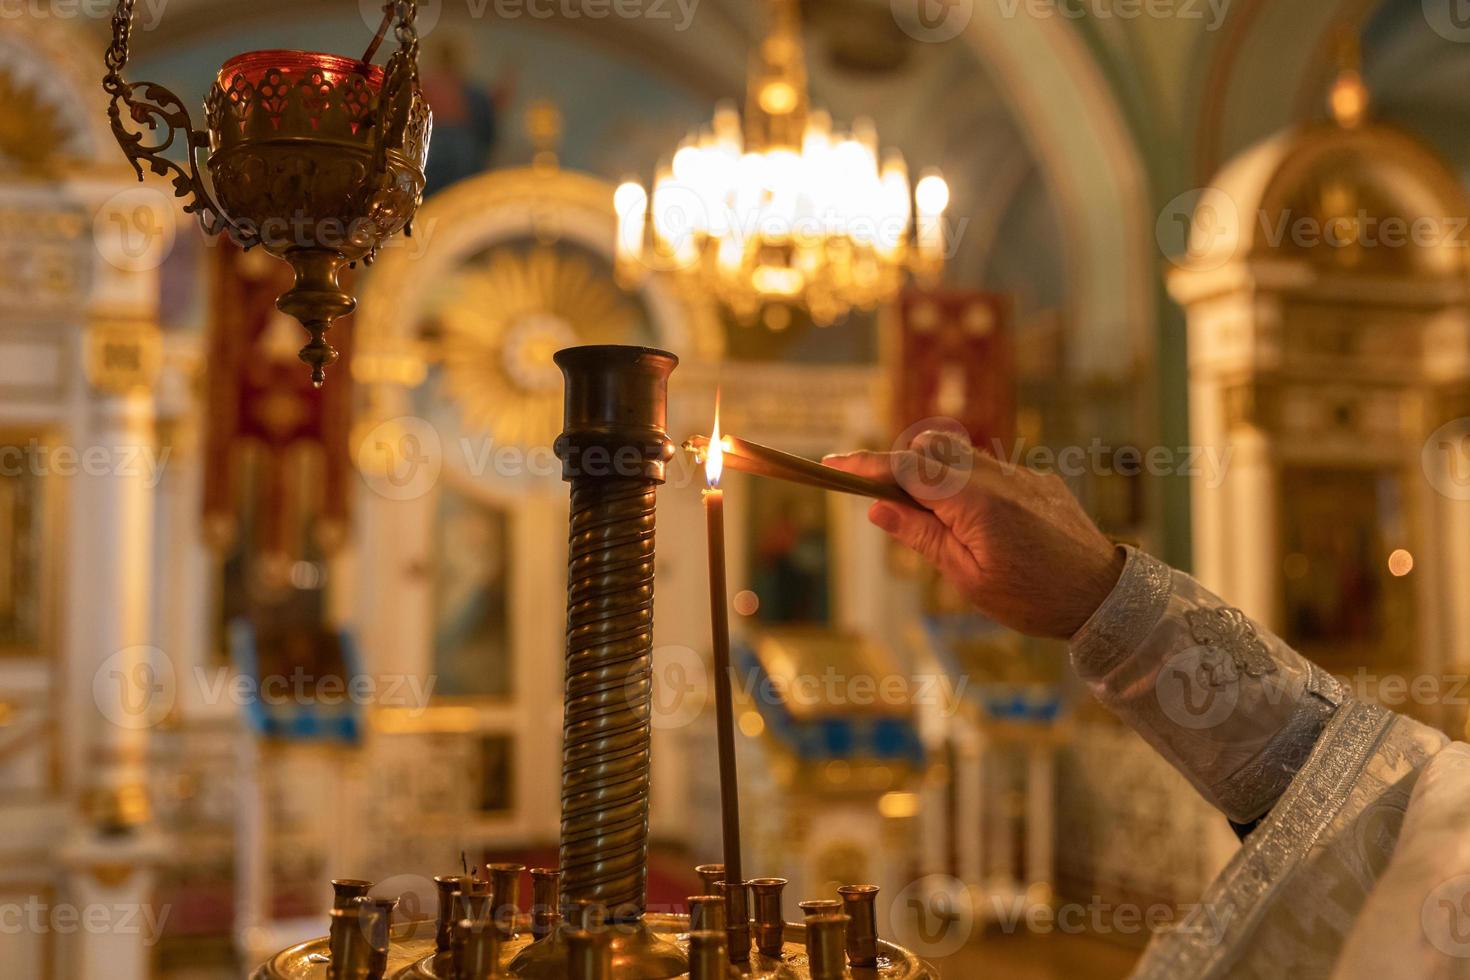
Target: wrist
x=1095 y=585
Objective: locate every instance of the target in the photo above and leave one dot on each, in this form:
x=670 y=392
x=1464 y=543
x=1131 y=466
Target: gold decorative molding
x=123 y=355
x=502 y=207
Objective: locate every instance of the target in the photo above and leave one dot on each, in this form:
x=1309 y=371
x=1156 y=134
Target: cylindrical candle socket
x=589 y=955
x=859 y=902
x=707 y=959
x=350 y=941
x=545 y=898
x=819 y=906
x=344 y=890
x=382 y=926
x=737 y=919
x=707 y=912
x=505 y=880
x=826 y=946
x=477 y=947
x=769 y=926
x=711 y=875
x=448 y=887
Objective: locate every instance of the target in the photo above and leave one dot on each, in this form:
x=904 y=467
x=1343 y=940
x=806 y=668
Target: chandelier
x=316 y=158
x=784 y=211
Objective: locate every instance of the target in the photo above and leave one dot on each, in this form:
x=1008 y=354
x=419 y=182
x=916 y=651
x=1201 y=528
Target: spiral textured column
x=605 y=767
x=613 y=450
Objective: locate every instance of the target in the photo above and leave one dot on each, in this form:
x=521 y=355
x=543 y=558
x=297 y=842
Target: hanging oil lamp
x=316 y=158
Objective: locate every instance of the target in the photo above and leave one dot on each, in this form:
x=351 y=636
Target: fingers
x=928 y=536
x=930 y=482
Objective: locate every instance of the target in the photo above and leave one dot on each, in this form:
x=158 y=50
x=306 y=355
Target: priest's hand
x=1014 y=541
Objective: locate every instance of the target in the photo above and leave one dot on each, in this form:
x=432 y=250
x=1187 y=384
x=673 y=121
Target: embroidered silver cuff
x=1229 y=704
x=1129 y=613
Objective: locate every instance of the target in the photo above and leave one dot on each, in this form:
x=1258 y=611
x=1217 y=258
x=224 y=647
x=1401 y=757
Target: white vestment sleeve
x=1416 y=923
x=1228 y=703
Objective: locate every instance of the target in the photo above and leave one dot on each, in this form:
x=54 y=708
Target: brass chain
x=117 y=52
x=408 y=34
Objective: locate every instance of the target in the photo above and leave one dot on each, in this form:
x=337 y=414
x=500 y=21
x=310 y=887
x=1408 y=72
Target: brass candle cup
x=589 y=955
x=381 y=929
x=711 y=875
x=349 y=941
x=505 y=881
x=826 y=946
x=545 y=899
x=707 y=912
x=447 y=886
x=344 y=890
x=769 y=926
x=819 y=906
x=859 y=902
x=707 y=955
x=477 y=949
x=737 y=919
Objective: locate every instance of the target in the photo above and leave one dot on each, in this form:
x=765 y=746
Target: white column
x=121 y=686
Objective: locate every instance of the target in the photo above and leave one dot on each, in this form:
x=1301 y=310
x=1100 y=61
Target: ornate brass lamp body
x=317 y=158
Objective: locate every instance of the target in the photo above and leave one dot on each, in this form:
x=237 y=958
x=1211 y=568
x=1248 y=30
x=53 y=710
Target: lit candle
x=931 y=197
x=714 y=512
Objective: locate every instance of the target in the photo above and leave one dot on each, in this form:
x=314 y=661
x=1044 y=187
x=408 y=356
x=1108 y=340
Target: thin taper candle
x=714 y=512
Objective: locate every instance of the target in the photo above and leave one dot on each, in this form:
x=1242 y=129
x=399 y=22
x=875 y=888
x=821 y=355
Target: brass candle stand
x=613 y=451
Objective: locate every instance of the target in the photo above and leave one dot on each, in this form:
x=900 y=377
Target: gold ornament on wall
x=502 y=321
x=32 y=136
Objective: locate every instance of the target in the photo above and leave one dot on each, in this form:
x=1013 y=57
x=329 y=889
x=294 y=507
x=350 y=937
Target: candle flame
x=714 y=456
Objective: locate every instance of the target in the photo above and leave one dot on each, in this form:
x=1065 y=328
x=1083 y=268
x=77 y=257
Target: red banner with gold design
x=276 y=456
x=954 y=359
